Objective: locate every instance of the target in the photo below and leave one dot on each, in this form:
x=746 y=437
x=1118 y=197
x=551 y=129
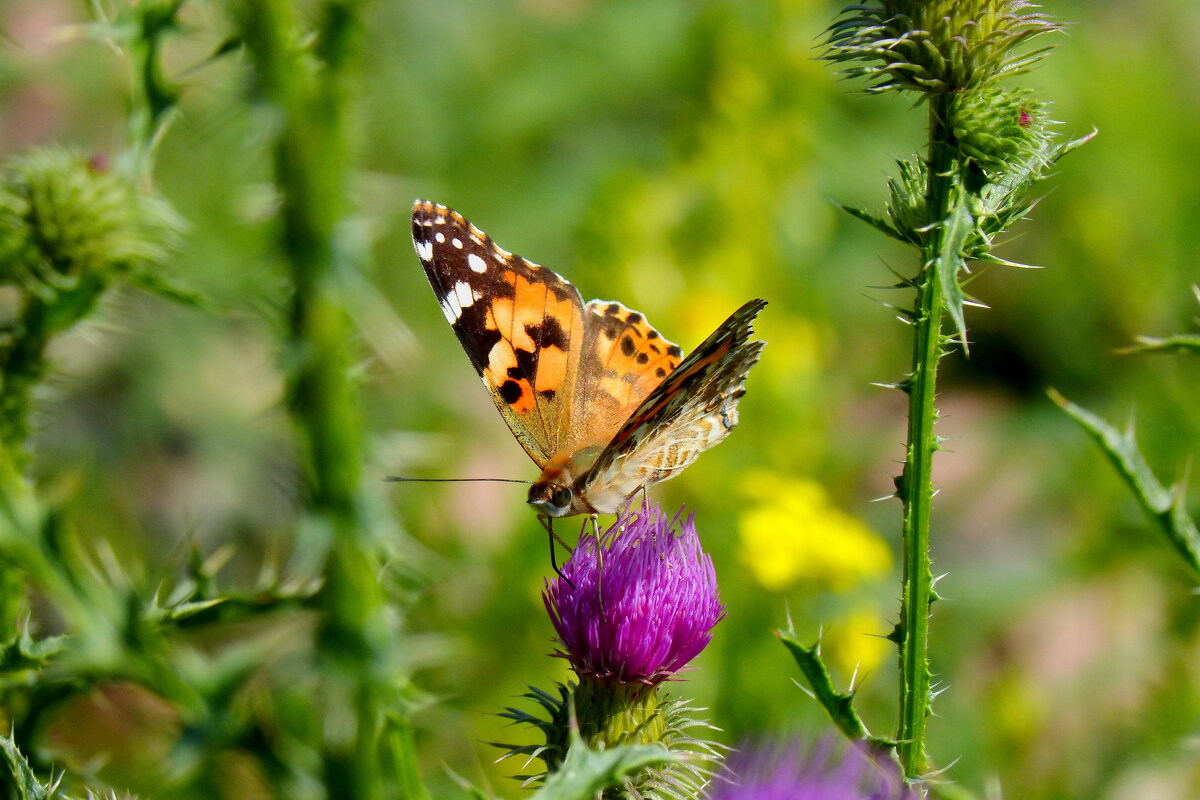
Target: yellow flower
x=792 y=532
x=856 y=641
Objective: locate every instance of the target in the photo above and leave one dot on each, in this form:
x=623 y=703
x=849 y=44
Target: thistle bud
x=64 y=216
x=993 y=126
x=939 y=46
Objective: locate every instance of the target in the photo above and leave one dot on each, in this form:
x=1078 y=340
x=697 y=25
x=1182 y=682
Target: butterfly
x=601 y=402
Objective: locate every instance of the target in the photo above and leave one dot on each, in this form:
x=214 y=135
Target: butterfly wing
x=692 y=409
x=622 y=360
x=519 y=323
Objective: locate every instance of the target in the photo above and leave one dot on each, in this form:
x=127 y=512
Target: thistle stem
x=22 y=365
x=312 y=169
x=916 y=489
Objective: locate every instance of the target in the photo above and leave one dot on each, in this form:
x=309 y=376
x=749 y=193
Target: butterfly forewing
x=519 y=323
x=692 y=409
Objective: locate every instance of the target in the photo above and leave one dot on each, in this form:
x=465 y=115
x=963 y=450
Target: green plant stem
x=311 y=94
x=916 y=489
x=22 y=364
x=23 y=355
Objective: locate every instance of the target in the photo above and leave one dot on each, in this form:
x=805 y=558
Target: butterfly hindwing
x=692 y=409
x=521 y=324
x=622 y=360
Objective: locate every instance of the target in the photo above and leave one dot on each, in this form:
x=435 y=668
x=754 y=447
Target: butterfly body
x=601 y=402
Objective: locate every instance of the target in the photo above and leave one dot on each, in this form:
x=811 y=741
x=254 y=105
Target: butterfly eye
x=561 y=497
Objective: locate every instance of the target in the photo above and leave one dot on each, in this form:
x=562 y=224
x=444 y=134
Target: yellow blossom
x=792 y=532
x=856 y=641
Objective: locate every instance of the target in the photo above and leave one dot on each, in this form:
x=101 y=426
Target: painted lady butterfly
x=600 y=401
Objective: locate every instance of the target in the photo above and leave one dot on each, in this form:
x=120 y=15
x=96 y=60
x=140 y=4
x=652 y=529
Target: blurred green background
x=682 y=157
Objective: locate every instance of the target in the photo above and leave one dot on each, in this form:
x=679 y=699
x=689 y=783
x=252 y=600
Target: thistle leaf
x=23 y=653
x=584 y=772
x=1171 y=344
x=956 y=230
x=1164 y=506
x=17 y=775
x=839 y=705
x=878 y=223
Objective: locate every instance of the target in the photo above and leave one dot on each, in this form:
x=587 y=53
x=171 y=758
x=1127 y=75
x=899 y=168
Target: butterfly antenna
x=397 y=479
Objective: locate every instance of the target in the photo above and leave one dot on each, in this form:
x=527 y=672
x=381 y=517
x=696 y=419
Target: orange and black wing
x=692 y=409
x=520 y=324
x=623 y=359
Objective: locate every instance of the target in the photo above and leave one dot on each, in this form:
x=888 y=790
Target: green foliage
x=20 y=783
x=839 y=705
x=586 y=773
x=1167 y=508
x=687 y=757
x=1180 y=343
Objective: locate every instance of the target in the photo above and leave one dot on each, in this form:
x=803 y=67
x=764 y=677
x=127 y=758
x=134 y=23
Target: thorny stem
x=916 y=485
x=22 y=364
x=311 y=159
x=23 y=357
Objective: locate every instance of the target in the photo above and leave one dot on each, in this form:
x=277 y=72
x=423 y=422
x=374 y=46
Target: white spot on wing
x=457 y=242
x=463 y=293
x=476 y=263
x=441 y=237
x=451 y=308
x=425 y=250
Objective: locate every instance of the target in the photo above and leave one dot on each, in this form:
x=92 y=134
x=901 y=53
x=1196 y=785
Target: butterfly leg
x=552 y=538
x=591 y=518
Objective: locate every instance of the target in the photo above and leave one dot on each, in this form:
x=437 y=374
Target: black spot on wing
x=674 y=351
x=510 y=391
x=627 y=346
x=527 y=362
x=476 y=337
x=547 y=334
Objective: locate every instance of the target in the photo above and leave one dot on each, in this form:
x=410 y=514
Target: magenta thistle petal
x=774 y=773
x=644 y=610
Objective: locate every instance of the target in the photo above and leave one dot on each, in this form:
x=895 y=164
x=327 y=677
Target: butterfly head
x=552 y=498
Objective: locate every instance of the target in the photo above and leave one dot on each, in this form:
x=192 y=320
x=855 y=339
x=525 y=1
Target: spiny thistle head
x=631 y=611
x=643 y=607
x=936 y=46
x=775 y=773
x=64 y=216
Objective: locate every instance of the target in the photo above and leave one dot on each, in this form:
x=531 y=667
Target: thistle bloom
x=631 y=611
x=644 y=608
x=777 y=774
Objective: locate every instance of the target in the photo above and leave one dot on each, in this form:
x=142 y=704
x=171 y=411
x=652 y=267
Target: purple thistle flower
x=644 y=610
x=775 y=773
